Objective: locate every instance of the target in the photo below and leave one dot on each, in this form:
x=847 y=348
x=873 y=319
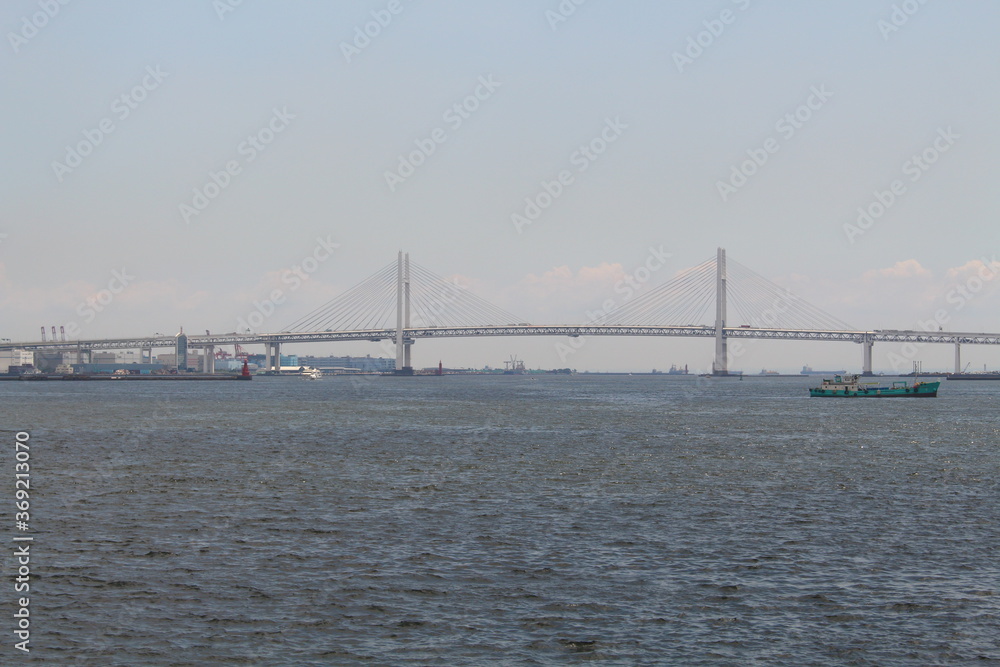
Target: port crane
x=240 y=353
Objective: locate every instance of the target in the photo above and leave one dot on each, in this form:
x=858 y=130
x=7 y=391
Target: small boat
x=312 y=373
x=848 y=386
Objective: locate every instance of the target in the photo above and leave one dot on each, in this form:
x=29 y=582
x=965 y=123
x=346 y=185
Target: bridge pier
x=209 y=366
x=403 y=363
x=272 y=357
x=721 y=364
x=866 y=363
x=958 y=357
x=407 y=342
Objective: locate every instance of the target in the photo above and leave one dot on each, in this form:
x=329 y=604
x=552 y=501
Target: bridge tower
x=721 y=364
x=866 y=359
x=403 y=364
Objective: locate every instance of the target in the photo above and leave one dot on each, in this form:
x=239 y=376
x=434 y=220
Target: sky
x=183 y=163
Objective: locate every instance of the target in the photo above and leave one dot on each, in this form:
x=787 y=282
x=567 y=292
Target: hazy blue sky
x=886 y=81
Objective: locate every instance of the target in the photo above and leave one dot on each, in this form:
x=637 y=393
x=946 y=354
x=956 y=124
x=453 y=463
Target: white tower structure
x=721 y=364
x=403 y=366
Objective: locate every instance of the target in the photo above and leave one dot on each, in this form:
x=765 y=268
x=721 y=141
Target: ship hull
x=923 y=390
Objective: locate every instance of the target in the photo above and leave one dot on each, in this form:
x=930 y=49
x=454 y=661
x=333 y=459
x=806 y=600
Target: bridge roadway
x=195 y=341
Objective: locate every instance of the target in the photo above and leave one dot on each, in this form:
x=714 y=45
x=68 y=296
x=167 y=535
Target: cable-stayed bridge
x=404 y=302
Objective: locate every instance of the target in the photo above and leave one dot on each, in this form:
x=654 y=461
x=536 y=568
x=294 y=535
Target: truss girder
x=883 y=336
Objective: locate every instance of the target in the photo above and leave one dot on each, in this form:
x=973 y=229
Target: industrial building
x=108 y=369
x=287 y=360
x=16 y=359
x=194 y=361
x=366 y=364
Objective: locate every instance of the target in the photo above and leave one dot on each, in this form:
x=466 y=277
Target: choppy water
x=508 y=520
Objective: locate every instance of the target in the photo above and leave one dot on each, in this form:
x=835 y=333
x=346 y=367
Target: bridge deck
x=877 y=336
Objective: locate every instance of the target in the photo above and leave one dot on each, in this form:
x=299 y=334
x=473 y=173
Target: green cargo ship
x=847 y=386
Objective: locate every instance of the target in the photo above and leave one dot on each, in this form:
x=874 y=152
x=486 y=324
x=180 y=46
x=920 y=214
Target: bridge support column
x=721 y=364
x=407 y=343
x=277 y=357
x=267 y=356
x=866 y=363
x=403 y=366
x=958 y=357
x=209 y=366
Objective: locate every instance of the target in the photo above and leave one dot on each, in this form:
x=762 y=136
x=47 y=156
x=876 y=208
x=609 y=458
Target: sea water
x=519 y=520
